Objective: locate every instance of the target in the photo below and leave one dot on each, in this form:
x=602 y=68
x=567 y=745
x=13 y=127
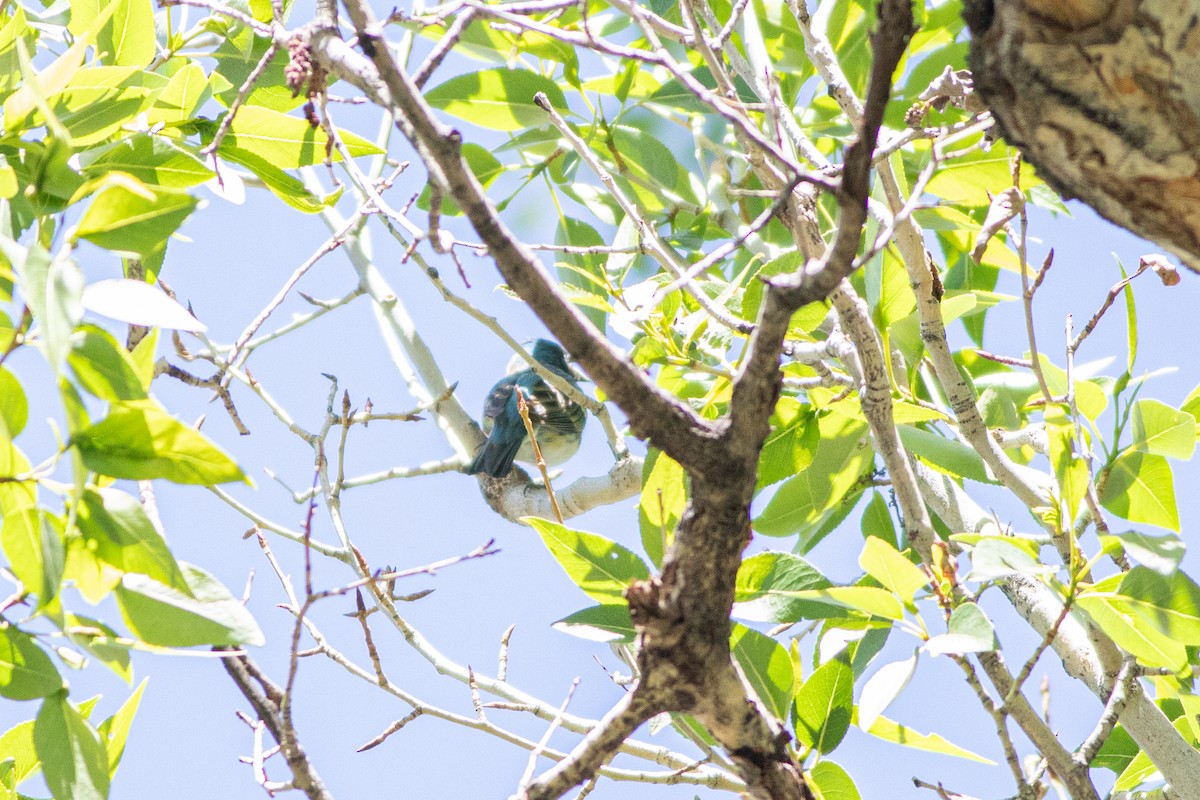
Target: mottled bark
x=1102 y=97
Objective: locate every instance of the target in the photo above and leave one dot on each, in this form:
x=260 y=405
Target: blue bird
x=557 y=420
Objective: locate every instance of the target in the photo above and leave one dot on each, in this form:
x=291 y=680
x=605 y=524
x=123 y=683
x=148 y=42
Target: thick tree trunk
x=1103 y=97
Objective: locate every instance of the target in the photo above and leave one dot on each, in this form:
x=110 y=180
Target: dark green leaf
x=824 y=706
x=765 y=583
x=607 y=623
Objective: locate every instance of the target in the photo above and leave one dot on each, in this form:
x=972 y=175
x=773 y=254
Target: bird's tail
x=494 y=458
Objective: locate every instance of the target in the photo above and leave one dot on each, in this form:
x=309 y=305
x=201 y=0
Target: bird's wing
x=549 y=407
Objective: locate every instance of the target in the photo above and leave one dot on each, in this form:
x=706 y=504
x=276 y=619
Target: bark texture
x=1102 y=97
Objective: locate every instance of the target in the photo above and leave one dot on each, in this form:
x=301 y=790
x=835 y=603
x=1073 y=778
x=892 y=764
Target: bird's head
x=551 y=354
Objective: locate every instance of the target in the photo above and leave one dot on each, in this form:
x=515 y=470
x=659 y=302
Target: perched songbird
x=557 y=420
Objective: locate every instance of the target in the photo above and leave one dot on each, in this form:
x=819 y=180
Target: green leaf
x=92 y=577
x=153 y=160
x=181 y=98
x=16 y=27
x=103 y=367
x=237 y=57
x=73 y=757
x=286 y=187
x=115 y=729
x=1118 y=750
x=499 y=99
x=640 y=156
x=583 y=272
x=98 y=102
x=127 y=216
x=118 y=531
x=600 y=567
x=675 y=94
x=947 y=455
x=35 y=551
x=1070 y=469
x=889 y=292
x=484 y=166
x=1170 y=603
x=883 y=688
x=14 y=494
x=966 y=181
x=766 y=583
x=124 y=36
x=99 y=641
x=1090 y=399
x=14 y=407
x=1121 y=621
x=163 y=615
x=17 y=744
x=1160 y=553
x=664 y=495
x=767 y=667
x=824 y=706
x=896 y=733
x=26 y=672
x=833 y=782
x=139 y=440
x=885 y=564
x=791 y=444
x=877 y=520
x=285 y=141
x=1191 y=404
x=970 y=631
x=864 y=599
x=802 y=503
x=1162 y=430
x=1140 y=488
x=607 y=623
x=52 y=289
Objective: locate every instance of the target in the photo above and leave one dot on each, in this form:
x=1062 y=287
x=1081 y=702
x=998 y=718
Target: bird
x=557 y=419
